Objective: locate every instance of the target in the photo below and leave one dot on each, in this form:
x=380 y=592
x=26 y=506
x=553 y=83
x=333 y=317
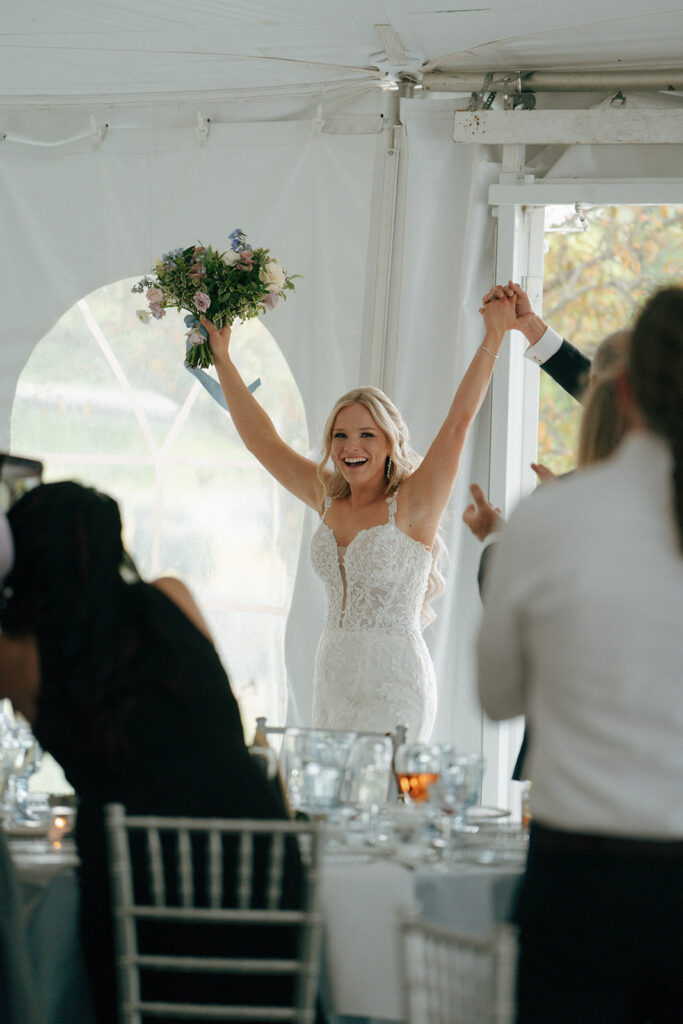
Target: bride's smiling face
x=359 y=448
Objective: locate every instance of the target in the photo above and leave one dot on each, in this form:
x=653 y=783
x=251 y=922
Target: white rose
x=230 y=258
x=272 y=275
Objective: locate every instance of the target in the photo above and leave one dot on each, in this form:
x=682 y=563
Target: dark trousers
x=600 y=930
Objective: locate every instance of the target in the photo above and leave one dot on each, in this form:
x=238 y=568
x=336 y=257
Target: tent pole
x=385 y=247
x=657 y=80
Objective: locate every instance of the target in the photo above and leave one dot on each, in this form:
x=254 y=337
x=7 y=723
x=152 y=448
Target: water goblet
x=313 y=763
x=368 y=772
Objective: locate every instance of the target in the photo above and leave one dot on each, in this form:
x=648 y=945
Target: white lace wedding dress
x=372 y=668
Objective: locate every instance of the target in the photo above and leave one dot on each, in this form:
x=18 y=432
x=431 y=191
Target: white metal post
x=514 y=430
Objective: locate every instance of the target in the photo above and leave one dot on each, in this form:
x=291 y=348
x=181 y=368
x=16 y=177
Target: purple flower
x=157 y=310
x=202 y=301
x=246 y=260
x=270 y=300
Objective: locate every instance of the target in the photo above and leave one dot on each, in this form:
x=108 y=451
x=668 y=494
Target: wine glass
x=417 y=766
x=458 y=788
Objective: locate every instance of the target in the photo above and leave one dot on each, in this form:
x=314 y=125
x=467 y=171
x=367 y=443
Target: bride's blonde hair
x=401 y=462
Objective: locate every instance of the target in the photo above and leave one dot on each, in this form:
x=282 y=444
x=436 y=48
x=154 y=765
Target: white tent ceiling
x=165 y=48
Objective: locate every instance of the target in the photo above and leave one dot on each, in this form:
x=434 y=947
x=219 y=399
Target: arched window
x=107 y=401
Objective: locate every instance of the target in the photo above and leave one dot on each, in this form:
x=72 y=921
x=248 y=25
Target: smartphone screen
x=17 y=475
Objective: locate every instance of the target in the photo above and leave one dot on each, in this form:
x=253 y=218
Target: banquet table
x=361 y=895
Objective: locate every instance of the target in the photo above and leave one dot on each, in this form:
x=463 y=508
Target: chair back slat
x=245 y=862
x=215 y=868
x=275 y=871
x=156 y=867
x=185 y=868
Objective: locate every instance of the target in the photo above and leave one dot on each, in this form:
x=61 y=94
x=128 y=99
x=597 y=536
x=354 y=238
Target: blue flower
x=238 y=240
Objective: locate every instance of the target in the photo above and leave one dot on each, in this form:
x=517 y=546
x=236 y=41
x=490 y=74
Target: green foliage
x=593 y=283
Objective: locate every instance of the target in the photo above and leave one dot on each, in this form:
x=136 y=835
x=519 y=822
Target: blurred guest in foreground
x=123 y=686
x=583 y=636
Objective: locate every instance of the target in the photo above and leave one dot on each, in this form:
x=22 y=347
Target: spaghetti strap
x=326 y=508
x=392 y=502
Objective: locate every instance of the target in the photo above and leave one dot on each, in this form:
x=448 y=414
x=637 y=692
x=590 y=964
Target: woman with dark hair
x=582 y=633
x=122 y=685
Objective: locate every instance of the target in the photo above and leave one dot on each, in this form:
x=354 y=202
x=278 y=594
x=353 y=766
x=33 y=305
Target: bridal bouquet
x=223 y=286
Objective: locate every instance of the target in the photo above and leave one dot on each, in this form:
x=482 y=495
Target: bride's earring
x=388 y=467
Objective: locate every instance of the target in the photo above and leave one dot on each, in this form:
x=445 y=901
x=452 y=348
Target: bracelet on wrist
x=488 y=351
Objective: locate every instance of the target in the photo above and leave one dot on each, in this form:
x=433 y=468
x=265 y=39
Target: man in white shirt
x=582 y=634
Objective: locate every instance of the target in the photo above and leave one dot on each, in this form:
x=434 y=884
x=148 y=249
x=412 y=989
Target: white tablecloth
x=361 y=900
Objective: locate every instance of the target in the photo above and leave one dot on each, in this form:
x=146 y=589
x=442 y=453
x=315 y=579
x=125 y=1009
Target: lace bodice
x=372 y=667
x=380 y=579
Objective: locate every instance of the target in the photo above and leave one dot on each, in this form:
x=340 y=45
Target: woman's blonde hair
x=401 y=462
x=604 y=421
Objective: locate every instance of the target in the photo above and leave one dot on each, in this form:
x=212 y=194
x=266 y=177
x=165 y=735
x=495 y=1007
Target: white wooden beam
x=564 y=127
x=555 y=192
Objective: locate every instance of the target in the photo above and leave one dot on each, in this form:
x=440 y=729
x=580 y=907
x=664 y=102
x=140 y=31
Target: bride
x=375 y=547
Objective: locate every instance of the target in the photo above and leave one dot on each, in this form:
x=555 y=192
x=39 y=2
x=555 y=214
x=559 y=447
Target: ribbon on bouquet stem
x=208 y=383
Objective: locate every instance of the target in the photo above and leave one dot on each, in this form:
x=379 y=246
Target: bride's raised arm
x=255 y=427
x=426 y=492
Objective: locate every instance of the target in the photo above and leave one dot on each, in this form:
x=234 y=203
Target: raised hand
x=219 y=340
x=499 y=315
x=481 y=516
x=526 y=320
x=498 y=291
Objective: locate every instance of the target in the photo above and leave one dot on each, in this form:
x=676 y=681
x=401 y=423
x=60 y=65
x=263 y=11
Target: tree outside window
x=601 y=263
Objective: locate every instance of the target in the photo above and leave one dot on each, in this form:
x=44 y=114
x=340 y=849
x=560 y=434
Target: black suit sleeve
x=569 y=368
